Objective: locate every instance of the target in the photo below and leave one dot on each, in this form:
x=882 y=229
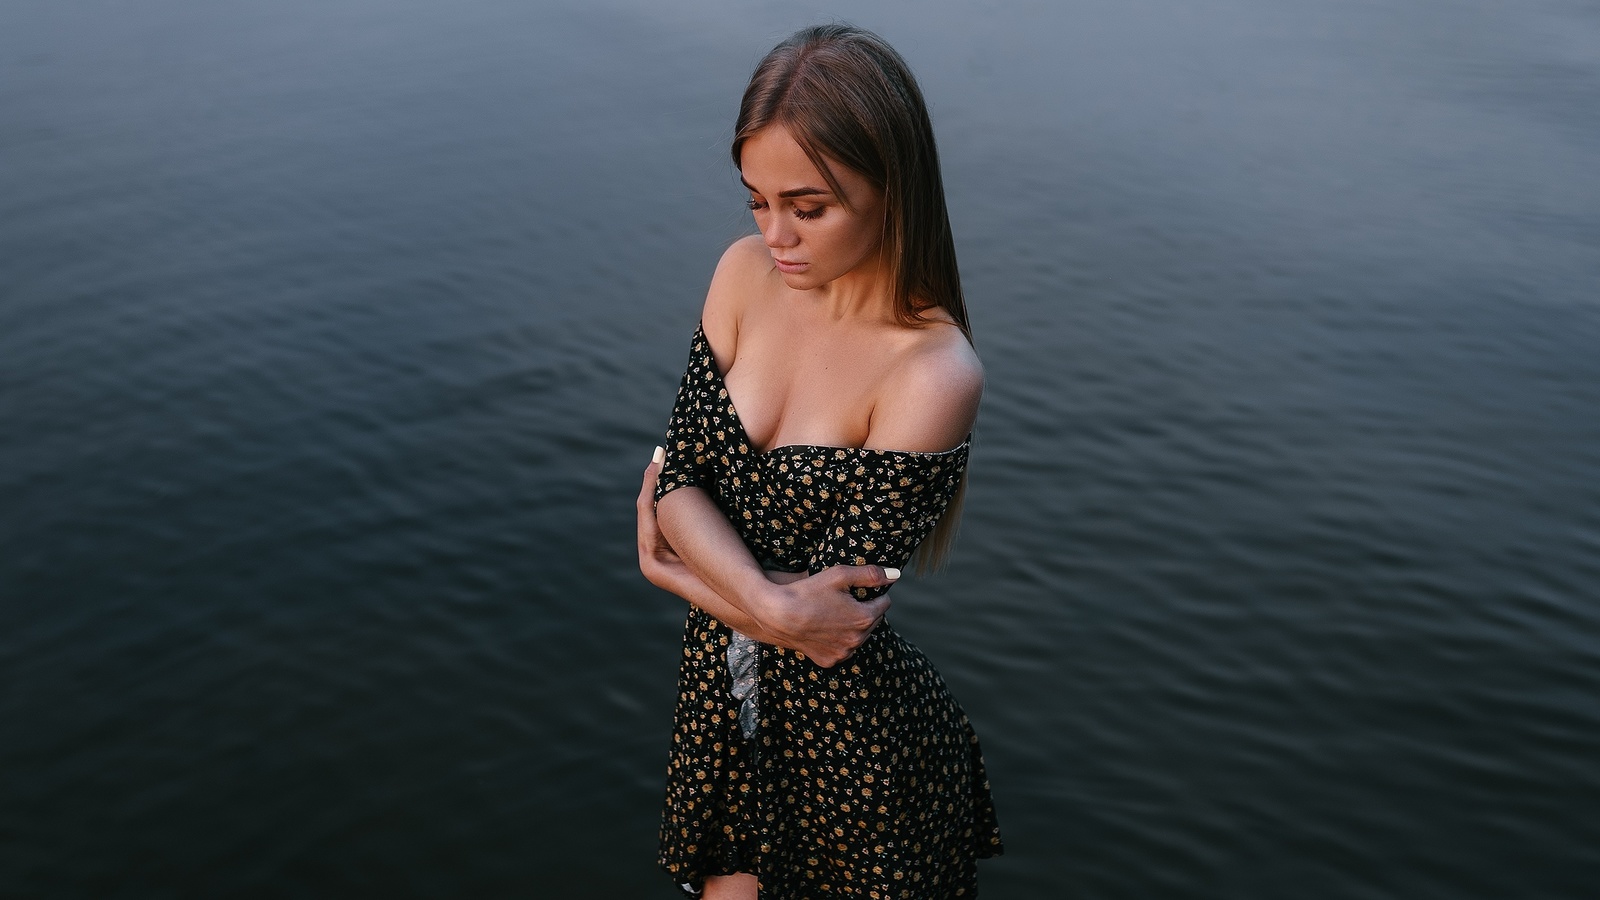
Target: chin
x=801 y=281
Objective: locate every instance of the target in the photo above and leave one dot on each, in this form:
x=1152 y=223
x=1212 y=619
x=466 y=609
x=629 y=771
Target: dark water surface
x=334 y=337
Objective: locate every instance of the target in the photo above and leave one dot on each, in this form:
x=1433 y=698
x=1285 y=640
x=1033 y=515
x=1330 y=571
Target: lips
x=785 y=265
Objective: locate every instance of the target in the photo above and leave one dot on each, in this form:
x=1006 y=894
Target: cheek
x=844 y=247
x=852 y=235
x=864 y=239
x=843 y=243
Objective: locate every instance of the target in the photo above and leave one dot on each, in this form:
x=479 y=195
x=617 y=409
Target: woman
x=820 y=435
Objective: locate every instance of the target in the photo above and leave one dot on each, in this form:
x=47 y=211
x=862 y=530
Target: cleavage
x=804 y=415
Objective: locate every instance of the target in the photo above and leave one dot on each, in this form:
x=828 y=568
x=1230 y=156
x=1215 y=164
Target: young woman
x=820 y=436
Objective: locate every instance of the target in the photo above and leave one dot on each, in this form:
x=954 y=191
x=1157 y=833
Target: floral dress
x=863 y=780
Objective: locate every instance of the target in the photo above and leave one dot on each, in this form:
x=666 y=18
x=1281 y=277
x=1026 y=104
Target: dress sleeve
x=886 y=504
x=686 y=461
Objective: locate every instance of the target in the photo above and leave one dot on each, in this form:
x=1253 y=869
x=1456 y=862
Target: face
x=813 y=236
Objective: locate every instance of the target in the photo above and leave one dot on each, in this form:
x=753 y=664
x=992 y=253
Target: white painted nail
x=891 y=574
x=658 y=456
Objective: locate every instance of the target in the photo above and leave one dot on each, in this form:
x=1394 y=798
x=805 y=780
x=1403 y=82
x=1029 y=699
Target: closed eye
x=799 y=213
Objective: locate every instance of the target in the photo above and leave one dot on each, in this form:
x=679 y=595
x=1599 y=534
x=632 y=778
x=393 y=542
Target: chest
x=809 y=395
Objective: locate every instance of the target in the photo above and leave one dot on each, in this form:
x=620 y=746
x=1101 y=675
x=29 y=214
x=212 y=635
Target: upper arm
x=930 y=402
x=732 y=287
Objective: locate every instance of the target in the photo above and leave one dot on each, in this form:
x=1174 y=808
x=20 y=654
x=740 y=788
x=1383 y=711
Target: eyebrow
x=792 y=192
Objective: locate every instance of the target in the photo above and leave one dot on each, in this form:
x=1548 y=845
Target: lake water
x=334 y=337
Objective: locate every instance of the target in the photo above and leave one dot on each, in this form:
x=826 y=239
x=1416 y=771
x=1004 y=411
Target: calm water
x=334 y=337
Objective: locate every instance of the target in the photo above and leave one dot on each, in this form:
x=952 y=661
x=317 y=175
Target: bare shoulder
x=929 y=400
x=739 y=276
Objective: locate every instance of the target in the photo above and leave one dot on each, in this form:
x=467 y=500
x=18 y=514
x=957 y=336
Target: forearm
x=677 y=579
x=715 y=554
x=687 y=547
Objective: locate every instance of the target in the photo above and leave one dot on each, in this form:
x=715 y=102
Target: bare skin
x=801 y=324
x=820 y=630
x=741 y=886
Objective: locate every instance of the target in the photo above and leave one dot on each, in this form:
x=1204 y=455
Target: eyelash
x=798 y=212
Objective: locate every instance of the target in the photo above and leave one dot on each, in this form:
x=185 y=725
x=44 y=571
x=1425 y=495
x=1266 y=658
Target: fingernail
x=658 y=456
x=891 y=574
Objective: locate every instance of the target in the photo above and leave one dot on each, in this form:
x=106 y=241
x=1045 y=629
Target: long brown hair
x=847 y=97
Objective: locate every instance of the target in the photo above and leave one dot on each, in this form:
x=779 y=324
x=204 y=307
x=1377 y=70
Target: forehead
x=772 y=161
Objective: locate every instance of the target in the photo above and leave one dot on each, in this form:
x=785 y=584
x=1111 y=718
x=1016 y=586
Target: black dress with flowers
x=863 y=780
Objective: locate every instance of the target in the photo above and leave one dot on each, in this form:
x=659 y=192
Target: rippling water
x=334 y=337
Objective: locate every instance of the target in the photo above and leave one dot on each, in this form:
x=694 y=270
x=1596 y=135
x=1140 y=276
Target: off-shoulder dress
x=863 y=780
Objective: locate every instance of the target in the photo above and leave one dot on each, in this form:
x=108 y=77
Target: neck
x=864 y=293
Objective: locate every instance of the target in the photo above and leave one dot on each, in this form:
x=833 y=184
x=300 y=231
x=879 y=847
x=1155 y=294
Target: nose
x=779 y=232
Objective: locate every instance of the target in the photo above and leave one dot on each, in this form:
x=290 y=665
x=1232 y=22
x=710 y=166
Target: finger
x=652 y=472
x=647 y=493
x=645 y=516
x=877 y=608
x=862 y=576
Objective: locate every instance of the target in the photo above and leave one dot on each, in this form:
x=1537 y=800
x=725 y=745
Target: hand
x=657 y=560
x=819 y=617
x=814 y=614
